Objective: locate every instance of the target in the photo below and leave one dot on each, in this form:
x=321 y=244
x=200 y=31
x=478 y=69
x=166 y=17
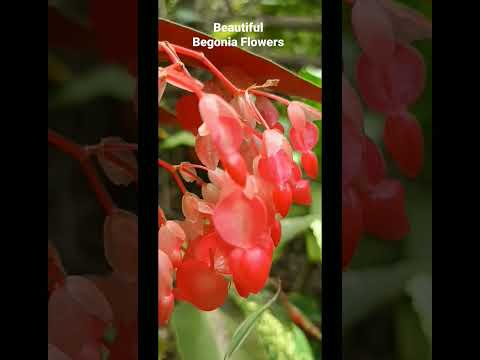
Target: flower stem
x=78 y=153
x=271 y=96
x=200 y=57
x=173 y=172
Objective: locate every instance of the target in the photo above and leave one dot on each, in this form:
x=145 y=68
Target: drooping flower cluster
x=231 y=228
x=82 y=309
x=390 y=75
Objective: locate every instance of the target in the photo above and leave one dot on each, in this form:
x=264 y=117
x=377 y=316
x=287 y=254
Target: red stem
x=172 y=56
x=198 y=179
x=208 y=64
x=114 y=147
x=161 y=217
x=78 y=153
x=271 y=96
x=173 y=171
x=196 y=166
x=171 y=51
x=192 y=86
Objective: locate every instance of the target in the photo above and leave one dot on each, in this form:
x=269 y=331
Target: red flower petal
x=200 y=285
x=250 y=269
x=352 y=224
x=240 y=221
x=404 y=141
x=302 y=193
x=310 y=164
x=384 y=210
x=282 y=197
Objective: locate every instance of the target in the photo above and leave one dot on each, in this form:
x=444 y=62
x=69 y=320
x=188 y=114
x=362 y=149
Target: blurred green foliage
x=302 y=41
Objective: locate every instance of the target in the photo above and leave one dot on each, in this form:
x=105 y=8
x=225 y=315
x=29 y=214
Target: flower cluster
x=82 y=309
x=390 y=75
x=231 y=228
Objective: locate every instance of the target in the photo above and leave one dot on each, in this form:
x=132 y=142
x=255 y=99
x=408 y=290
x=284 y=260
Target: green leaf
x=418 y=244
x=314 y=248
x=302 y=346
x=317 y=106
x=295 y=226
x=298 y=210
x=275 y=332
x=307 y=304
x=225 y=321
x=314 y=241
x=316 y=227
x=312 y=74
x=374 y=252
x=247 y=326
x=297 y=157
x=420 y=290
x=316 y=208
x=181 y=138
x=218 y=326
x=194 y=334
x=291 y=228
x=162 y=343
x=107 y=80
x=364 y=290
x=412 y=343
x=283 y=120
